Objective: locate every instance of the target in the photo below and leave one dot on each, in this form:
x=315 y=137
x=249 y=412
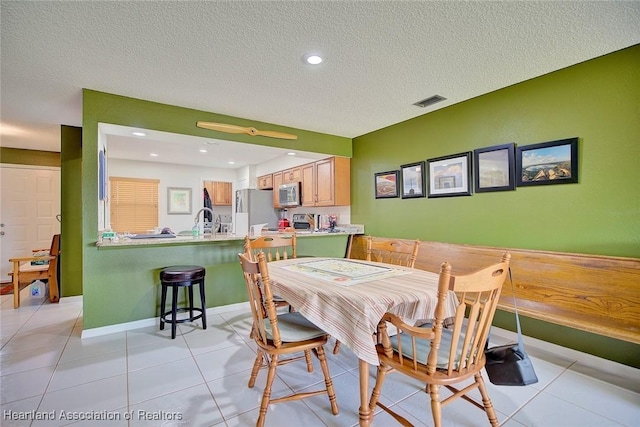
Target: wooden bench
x=597 y=294
x=24 y=272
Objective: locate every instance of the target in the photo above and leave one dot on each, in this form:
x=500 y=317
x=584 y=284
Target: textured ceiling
x=245 y=58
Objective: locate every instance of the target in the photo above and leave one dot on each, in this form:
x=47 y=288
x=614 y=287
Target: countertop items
x=157 y=239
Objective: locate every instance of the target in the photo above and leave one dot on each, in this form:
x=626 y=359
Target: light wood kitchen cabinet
x=219 y=192
x=290 y=176
x=277 y=181
x=327 y=182
x=265 y=182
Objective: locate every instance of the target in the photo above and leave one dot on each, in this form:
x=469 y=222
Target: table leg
x=16 y=284
x=365 y=413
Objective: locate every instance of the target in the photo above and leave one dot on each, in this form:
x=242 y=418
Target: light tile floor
x=200 y=379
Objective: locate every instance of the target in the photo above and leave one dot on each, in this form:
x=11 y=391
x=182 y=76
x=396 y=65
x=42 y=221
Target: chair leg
x=336 y=348
x=486 y=401
x=174 y=310
x=204 y=305
x=377 y=388
x=190 y=301
x=257 y=364
x=266 y=396
x=163 y=305
x=327 y=380
x=436 y=408
x=307 y=356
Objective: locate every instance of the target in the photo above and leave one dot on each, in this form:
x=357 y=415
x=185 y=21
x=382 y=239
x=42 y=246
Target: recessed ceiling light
x=312 y=59
x=232 y=163
x=139 y=134
x=153 y=155
x=202 y=150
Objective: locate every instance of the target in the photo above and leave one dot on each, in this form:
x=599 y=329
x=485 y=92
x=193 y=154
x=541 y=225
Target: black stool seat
x=182 y=276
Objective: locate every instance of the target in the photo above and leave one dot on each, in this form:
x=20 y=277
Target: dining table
x=347 y=298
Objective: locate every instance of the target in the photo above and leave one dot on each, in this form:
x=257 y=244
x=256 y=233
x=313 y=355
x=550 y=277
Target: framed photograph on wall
x=553 y=162
x=495 y=168
x=450 y=175
x=386 y=184
x=178 y=200
x=413 y=180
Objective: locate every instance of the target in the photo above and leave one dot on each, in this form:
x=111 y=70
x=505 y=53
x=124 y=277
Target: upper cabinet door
x=265 y=182
x=309 y=184
x=327 y=182
x=290 y=176
x=219 y=192
x=222 y=193
x=277 y=181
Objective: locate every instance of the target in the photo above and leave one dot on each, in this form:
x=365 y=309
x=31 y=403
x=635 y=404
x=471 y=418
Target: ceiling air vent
x=430 y=101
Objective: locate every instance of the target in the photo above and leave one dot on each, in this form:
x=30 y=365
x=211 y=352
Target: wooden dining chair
x=445 y=356
x=391 y=252
x=275 y=248
x=281 y=338
x=25 y=270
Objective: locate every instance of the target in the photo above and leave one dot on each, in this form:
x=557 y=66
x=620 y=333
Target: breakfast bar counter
x=170 y=239
x=122 y=289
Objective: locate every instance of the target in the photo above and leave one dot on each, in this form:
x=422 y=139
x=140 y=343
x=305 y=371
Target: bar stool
x=178 y=276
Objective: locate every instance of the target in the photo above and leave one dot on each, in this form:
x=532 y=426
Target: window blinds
x=134 y=204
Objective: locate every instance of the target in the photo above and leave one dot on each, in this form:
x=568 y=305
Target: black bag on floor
x=509 y=364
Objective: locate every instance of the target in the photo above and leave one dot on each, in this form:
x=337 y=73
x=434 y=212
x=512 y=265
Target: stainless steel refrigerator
x=254 y=207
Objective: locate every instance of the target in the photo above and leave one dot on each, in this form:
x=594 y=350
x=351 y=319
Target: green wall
x=19 y=156
x=71 y=227
x=597 y=101
x=120 y=285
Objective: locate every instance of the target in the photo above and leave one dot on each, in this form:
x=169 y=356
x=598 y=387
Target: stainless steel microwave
x=289 y=195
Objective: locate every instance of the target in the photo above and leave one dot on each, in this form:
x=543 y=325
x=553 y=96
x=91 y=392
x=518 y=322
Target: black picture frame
x=386 y=184
x=450 y=176
x=495 y=168
x=413 y=180
x=547 y=163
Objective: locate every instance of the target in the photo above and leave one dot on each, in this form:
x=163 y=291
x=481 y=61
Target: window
x=134 y=204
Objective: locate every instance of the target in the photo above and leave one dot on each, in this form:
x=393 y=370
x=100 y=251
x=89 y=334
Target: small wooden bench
x=24 y=272
x=593 y=293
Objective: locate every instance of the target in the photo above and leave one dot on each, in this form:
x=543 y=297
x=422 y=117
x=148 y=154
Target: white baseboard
x=153 y=321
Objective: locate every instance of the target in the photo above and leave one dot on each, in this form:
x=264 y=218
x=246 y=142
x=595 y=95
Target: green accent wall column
x=71 y=208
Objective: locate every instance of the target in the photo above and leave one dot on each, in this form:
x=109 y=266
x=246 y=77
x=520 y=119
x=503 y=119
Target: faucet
x=196 y=220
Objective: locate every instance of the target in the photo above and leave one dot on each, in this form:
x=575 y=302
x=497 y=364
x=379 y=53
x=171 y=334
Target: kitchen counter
x=222 y=237
x=128 y=278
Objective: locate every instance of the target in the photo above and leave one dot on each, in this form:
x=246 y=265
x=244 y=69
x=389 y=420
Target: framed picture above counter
x=178 y=200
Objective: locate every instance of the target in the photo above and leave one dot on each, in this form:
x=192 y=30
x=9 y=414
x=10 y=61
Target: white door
x=29 y=203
